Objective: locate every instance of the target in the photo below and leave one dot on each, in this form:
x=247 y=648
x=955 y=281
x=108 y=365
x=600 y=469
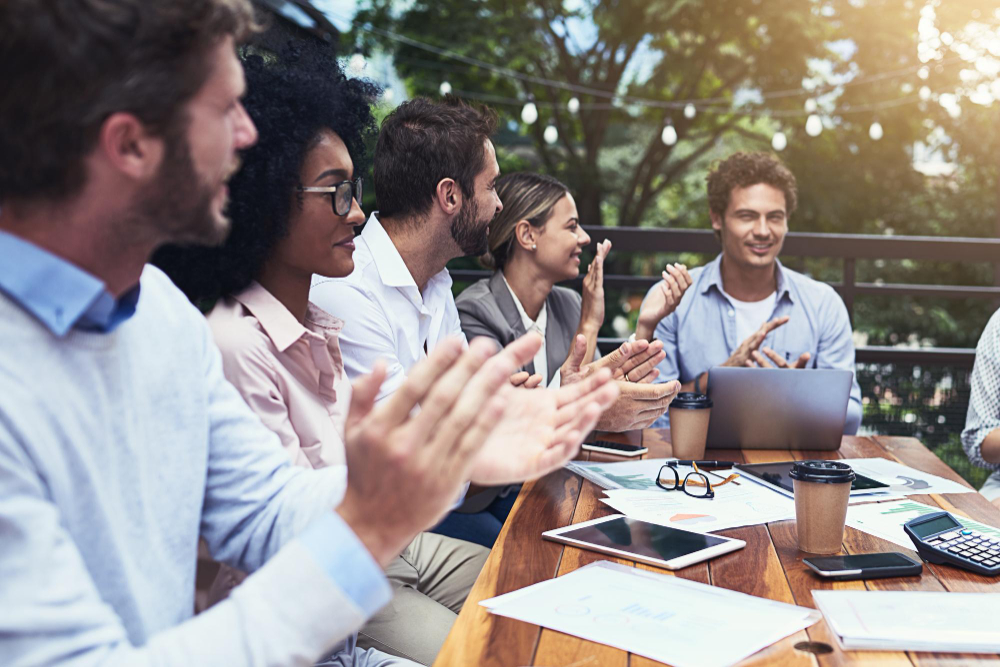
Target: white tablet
x=651 y=543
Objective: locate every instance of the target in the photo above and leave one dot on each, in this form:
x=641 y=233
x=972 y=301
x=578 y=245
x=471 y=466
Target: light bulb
x=551 y=134
x=445 y=88
x=814 y=126
x=529 y=114
x=875 y=131
x=690 y=111
x=779 y=141
x=669 y=135
x=925 y=93
x=573 y=105
x=810 y=105
x=357 y=62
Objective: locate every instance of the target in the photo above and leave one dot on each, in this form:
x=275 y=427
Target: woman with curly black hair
x=294 y=208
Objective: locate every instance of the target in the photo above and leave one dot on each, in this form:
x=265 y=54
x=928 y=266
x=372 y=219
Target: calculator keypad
x=971 y=546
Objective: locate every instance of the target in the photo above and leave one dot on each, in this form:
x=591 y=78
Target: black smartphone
x=864 y=566
x=616 y=448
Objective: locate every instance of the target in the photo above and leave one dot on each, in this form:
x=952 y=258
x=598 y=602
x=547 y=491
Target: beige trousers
x=431 y=579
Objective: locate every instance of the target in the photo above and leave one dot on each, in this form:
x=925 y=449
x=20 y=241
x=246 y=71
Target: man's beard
x=469 y=232
x=177 y=206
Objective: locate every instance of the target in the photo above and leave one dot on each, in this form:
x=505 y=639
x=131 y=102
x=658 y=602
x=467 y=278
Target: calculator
x=940 y=538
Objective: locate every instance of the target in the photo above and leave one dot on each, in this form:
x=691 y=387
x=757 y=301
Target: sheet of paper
x=658 y=616
x=733 y=506
x=913 y=620
x=886 y=520
x=639 y=475
x=903 y=479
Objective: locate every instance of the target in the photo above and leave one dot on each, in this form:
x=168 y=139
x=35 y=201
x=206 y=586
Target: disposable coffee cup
x=822 y=489
x=689 y=413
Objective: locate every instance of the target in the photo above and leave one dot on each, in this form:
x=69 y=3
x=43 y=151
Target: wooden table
x=769 y=566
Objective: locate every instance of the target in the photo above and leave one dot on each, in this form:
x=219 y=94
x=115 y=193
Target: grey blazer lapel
x=558 y=334
x=505 y=302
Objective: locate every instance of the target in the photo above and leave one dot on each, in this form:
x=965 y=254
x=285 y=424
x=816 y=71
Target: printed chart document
x=637 y=475
x=665 y=618
x=903 y=479
x=745 y=505
x=886 y=520
x=912 y=620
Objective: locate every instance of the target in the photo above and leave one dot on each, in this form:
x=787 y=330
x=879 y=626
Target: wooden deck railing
x=849 y=248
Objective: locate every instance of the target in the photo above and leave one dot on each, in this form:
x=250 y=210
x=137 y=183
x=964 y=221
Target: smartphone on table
x=864 y=566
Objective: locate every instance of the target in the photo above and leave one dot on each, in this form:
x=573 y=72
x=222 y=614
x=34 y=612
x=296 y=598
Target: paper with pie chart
x=745 y=505
x=665 y=618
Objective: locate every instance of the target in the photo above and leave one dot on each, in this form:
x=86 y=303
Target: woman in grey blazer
x=534 y=243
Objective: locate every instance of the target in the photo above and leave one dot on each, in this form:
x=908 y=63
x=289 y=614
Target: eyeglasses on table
x=696 y=484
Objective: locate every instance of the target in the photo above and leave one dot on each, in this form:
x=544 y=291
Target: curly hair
x=741 y=170
x=292 y=96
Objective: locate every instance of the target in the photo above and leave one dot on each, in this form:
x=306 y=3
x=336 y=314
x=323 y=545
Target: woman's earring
x=534 y=247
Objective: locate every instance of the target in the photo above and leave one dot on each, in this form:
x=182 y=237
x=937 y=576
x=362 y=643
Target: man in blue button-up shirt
x=744 y=308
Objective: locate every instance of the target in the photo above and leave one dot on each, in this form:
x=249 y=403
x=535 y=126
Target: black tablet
x=776 y=475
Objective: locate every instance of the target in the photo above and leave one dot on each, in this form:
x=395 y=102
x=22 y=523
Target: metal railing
x=848 y=247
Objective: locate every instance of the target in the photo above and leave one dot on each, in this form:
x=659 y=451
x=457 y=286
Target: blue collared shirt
x=701 y=333
x=63 y=297
x=60 y=294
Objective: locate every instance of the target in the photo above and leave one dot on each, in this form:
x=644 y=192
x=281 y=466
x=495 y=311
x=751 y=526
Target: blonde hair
x=525 y=196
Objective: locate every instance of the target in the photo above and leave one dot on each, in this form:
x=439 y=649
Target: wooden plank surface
x=769 y=566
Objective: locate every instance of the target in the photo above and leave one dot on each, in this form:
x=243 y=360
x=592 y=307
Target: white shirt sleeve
x=367 y=335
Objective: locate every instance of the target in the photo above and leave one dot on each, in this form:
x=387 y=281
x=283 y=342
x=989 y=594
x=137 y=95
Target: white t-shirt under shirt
x=751 y=314
x=541 y=361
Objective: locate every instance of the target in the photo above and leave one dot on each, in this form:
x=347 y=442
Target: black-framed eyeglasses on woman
x=696 y=484
x=341 y=194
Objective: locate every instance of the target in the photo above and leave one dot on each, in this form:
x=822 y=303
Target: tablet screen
x=777 y=474
x=643 y=539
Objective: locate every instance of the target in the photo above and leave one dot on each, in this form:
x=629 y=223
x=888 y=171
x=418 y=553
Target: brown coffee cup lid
x=688 y=400
x=824 y=472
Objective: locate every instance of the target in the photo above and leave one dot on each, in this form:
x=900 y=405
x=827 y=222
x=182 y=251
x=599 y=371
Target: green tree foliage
x=860 y=60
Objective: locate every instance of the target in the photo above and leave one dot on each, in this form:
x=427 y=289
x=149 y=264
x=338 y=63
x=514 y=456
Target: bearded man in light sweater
x=120 y=440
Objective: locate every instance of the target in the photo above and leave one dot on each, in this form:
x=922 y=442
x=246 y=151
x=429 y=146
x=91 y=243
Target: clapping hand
x=663 y=300
x=540 y=430
x=592 y=308
x=640 y=402
x=525 y=380
x=747 y=353
x=406 y=469
x=779 y=362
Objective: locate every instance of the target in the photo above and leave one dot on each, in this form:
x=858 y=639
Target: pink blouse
x=291 y=375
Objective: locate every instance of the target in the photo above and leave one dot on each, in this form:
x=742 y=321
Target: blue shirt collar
x=713 y=278
x=61 y=295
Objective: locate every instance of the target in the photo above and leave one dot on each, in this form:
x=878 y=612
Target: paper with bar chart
x=886 y=520
x=658 y=616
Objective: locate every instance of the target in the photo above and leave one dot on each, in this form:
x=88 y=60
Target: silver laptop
x=770 y=408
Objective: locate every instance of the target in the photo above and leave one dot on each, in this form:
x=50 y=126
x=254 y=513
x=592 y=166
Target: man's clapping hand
x=405 y=469
x=640 y=402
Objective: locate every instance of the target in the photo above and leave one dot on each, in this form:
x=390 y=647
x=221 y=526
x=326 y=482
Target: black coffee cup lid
x=827 y=472
x=688 y=400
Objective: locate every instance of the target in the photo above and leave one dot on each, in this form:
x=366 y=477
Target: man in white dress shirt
x=435 y=182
